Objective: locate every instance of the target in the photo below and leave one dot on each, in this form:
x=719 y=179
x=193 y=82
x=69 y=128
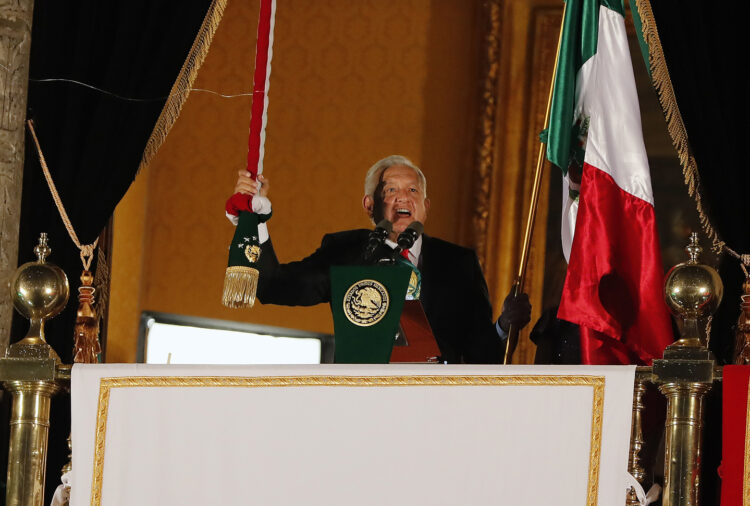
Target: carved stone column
x=15 y=47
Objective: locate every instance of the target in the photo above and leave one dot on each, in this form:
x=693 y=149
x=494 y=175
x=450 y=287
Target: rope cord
x=744 y=259
x=87 y=250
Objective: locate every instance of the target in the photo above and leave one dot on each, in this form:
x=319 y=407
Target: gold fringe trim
x=184 y=82
x=240 y=286
x=663 y=85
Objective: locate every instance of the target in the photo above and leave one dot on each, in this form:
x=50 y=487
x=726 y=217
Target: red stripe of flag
x=613 y=287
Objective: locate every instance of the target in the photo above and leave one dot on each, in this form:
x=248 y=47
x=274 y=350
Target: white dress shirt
x=414 y=251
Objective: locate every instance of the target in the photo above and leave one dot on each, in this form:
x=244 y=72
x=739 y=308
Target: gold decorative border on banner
x=107 y=384
x=746 y=473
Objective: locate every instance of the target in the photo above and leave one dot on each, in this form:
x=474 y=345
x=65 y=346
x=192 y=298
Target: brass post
x=32 y=373
x=682 y=451
x=635 y=468
x=686 y=373
x=29 y=430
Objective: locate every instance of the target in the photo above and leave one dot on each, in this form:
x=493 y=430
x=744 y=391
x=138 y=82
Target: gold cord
x=87 y=250
x=744 y=259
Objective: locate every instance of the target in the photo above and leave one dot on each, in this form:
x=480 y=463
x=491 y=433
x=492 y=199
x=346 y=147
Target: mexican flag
x=613 y=288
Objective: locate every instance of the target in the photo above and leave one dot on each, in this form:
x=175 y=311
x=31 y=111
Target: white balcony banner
x=166 y=435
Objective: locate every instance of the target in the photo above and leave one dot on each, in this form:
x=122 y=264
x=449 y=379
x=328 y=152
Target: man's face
x=399 y=198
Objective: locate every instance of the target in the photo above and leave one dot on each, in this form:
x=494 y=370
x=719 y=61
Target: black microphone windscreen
x=385 y=225
x=417 y=227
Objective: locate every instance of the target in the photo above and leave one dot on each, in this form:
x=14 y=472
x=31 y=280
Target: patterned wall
x=352 y=81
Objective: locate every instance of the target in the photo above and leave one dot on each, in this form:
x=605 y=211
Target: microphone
x=407 y=237
x=377 y=237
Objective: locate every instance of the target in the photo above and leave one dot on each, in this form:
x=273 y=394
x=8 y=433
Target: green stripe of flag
x=639 y=32
x=578 y=44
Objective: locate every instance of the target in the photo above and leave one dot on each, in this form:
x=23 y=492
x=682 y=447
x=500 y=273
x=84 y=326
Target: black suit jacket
x=454 y=292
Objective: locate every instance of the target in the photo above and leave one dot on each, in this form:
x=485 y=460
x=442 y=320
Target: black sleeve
x=302 y=283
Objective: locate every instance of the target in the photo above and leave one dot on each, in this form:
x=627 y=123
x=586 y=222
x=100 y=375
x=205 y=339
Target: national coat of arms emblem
x=366 y=302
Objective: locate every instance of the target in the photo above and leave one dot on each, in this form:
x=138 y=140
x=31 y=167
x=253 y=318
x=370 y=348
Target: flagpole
x=512 y=341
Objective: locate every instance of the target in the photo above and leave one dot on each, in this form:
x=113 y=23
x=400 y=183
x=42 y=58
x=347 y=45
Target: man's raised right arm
x=301 y=283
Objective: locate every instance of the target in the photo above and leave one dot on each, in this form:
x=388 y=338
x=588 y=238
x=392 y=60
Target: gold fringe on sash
x=184 y=82
x=675 y=125
x=240 y=286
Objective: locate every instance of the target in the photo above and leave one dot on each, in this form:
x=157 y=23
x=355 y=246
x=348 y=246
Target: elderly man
x=454 y=292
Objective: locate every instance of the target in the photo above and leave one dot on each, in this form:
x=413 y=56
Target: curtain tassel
x=86 y=331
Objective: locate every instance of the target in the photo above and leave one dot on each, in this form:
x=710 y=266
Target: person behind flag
x=454 y=291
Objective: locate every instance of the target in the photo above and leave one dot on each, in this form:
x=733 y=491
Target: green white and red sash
x=240 y=281
x=613 y=288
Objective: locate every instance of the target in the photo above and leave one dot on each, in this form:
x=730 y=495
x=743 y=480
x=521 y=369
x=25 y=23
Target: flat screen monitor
x=166 y=338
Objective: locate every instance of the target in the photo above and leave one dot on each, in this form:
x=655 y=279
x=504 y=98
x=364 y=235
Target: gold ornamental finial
x=42 y=250
x=39 y=291
x=692 y=290
x=694 y=249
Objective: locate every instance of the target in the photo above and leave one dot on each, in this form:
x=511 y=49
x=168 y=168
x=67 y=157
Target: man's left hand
x=516 y=311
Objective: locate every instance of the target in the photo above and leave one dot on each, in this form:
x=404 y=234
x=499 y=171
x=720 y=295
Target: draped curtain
x=704 y=50
x=94 y=141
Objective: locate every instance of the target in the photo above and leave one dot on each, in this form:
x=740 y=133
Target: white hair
x=375 y=173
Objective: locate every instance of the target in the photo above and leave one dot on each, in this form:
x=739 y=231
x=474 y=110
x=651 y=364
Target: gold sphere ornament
x=693 y=290
x=39 y=291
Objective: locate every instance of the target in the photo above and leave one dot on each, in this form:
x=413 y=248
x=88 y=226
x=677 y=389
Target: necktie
x=405 y=254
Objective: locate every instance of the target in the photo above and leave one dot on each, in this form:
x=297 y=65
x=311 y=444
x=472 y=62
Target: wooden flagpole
x=512 y=341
